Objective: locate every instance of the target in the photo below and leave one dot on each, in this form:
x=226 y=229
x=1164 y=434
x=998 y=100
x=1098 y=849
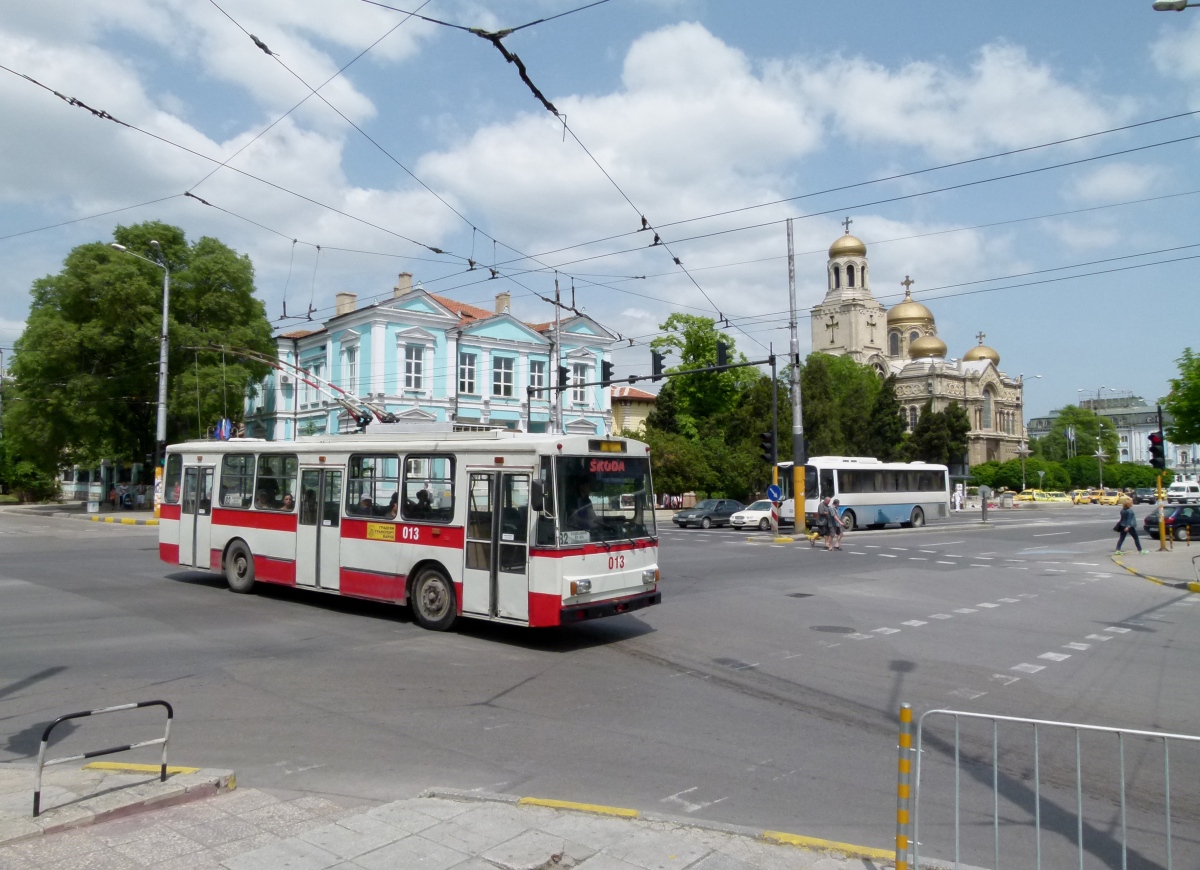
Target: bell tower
x=849 y=321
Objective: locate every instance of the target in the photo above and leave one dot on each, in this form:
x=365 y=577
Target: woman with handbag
x=1127 y=525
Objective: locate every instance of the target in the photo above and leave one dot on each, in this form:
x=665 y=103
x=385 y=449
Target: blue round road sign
x=774 y=493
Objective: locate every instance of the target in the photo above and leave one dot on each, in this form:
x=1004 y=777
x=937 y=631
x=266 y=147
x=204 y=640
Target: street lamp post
x=1172 y=5
x=1100 y=457
x=1024 y=452
x=160 y=432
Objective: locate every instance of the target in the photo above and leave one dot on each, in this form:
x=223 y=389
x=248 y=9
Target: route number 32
x=616 y=563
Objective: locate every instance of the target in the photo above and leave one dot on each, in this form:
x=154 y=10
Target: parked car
x=1145 y=495
x=1109 y=496
x=1178 y=519
x=757 y=514
x=708 y=513
x=1057 y=497
x=1183 y=492
x=1029 y=495
x=1084 y=496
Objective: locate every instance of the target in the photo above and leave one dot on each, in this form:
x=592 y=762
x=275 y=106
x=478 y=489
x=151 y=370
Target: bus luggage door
x=318 y=534
x=195 y=517
x=495 y=576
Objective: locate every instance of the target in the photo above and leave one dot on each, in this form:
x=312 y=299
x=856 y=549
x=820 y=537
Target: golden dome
x=982 y=351
x=909 y=311
x=848 y=246
x=927 y=346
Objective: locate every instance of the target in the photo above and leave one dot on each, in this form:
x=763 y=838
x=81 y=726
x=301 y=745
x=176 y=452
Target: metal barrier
x=42 y=762
x=905 y=834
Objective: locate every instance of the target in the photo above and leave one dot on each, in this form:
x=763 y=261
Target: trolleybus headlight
x=580 y=587
x=650 y=576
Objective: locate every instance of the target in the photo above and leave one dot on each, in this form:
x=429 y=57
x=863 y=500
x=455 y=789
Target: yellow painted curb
x=152 y=522
x=127 y=521
x=1189 y=586
x=849 y=849
x=598 y=809
x=136 y=768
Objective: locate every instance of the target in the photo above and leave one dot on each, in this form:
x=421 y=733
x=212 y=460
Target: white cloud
x=1005 y=100
x=1114 y=181
x=1177 y=54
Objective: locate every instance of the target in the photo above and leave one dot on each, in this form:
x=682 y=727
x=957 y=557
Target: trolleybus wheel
x=916 y=519
x=239 y=567
x=433 y=603
x=848 y=521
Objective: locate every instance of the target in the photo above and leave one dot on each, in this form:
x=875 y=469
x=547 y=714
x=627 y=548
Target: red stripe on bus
x=368 y=584
x=403 y=533
x=169 y=553
x=275 y=522
x=544 y=610
x=169 y=512
x=268 y=570
x=589 y=549
x=215 y=559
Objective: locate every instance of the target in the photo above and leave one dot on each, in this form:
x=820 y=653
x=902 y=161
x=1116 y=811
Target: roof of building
x=909 y=311
x=464 y=310
x=632 y=393
x=300 y=333
x=848 y=246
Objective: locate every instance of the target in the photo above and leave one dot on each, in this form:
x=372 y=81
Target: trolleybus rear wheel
x=433 y=603
x=848 y=520
x=239 y=567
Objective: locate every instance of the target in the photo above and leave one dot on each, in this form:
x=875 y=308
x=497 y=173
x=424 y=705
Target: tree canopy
x=1091 y=432
x=85 y=368
x=1183 y=402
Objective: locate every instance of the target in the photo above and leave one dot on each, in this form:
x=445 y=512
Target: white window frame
x=468 y=372
x=350 y=368
x=504 y=370
x=537 y=374
x=579 y=376
x=414 y=366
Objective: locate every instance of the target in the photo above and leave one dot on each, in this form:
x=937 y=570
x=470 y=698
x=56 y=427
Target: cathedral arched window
x=850 y=275
x=863 y=275
x=894 y=344
x=837 y=277
x=987 y=409
x=912 y=417
x=913 y=336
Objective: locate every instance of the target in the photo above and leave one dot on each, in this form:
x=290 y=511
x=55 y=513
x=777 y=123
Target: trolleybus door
x=195 y=517
x=495 y=576
x=318 y=534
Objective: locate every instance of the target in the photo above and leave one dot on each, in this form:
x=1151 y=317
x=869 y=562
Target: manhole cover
x=833 y=629
x=799 y=595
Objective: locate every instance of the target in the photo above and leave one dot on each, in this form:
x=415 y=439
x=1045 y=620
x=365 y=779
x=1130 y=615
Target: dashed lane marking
x=966 y=694
x=859 y=636
x=1049 y=534
x=940 y=616
x=940 y=562
x=986 y=558
x=887 y=631
x=987 y=604
x=914 y=623
x=917 y=559
x=1010 y=600
x=1005 y=679
x=1086 y=564
x=1054 y=657
x=965 y=610
x=1027 y=668
x=1099 y=637
x=887 y=555
x=903 y=549
x=926 y=551
x=1118 y=629
x=1077 y=646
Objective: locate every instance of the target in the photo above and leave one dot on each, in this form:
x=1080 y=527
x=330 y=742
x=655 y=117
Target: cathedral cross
x=832 y=326
x=907 y=284
x=981 y=336
x=846 y=223
x=871 y=324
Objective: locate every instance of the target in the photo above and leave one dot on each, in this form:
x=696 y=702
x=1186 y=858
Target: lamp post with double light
x=160 y=432
x=1171 y=5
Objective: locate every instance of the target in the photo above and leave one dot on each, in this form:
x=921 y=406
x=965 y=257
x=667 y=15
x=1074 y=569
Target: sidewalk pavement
x=254 y=830
x=77 y=511
x=1172 y=568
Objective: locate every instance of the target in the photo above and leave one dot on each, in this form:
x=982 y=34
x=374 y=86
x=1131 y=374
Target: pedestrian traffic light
x=657 y=363
x=1158 y=454
x=722 y=353
x=606 y=373
x=562 y=377
x=766 y=443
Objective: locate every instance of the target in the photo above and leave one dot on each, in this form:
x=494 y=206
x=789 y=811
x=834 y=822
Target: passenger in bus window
x=289 y=503
x=364 y=505
x=394 y=505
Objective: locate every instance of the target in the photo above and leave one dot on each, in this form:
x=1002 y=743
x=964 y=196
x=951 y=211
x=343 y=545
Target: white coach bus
x=535 y=530
x=871 y=493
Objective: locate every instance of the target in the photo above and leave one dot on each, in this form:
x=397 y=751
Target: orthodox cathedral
x=903 y=341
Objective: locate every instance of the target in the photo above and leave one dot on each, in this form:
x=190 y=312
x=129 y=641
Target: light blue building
x=430 y=359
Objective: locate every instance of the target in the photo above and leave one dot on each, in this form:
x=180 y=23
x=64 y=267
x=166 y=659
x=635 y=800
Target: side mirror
x=537 y=497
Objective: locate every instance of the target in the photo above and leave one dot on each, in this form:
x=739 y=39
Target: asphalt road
x=762 y=691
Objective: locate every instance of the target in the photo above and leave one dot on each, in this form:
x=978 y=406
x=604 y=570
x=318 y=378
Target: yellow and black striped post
x=903 y=787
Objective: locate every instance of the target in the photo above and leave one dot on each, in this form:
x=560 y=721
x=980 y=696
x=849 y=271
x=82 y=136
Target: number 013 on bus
x=536 y=530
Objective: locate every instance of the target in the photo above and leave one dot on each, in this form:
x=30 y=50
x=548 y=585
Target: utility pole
x=557 y=413
x=799 y=456
x=1 y=392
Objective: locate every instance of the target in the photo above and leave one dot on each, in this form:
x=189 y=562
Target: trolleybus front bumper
x=598 y=609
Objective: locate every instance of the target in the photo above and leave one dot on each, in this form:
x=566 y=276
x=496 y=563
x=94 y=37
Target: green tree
x=85 y=366
x=1091 y=431
x=958 y=426
x=1183 y=402
x=886 y=424
x=930 y=438
x=701 y=396
x=839 y=397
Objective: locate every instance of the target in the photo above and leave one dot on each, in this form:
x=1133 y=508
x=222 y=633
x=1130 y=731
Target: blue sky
x=693 y=108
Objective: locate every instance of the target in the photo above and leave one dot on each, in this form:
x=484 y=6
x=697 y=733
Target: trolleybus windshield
x=604 y=499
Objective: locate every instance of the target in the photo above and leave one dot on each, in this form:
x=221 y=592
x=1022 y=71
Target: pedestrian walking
x=823 y=522
x=836 y=526
x=1127 y=525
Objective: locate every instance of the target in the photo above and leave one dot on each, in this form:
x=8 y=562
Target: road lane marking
x=887 y=631
x=905 y=549
x=1086 y=564
x=940 y=562
x=1014 y=560
x=926 y=551
x=872 y=546
x=1010 y=600
x=940 y=616
x=914 y=623
x=688 y=806
x=887 y=555
x=986 y=558
x=1028 y=669
x=859 y=636
x=1005 y=678
x=1054 y=657
x=1027 y=595
x=1118 y=629
x=917 y=559
x=1077 y=646
x=1049 y=534
x=1098 y=637
x=967 y=694
x=944 y=543
x=987 y=604
x=965 y=610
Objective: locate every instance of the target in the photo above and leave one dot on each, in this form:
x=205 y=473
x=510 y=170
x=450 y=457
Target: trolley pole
x=556 y=415
x=799 y=456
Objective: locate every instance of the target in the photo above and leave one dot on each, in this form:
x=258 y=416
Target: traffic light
x=606 y=373
x=1158 y=454
x=722 y=353
x=657 y=363
x=766 y=444
x=562 y=377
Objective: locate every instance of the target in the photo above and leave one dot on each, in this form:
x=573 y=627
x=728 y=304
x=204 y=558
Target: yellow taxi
x=1029 y=495
x=1058 y=497
x=1109 y=496
x=1084 y=496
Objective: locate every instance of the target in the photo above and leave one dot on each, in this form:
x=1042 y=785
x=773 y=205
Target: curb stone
x=1185 y=585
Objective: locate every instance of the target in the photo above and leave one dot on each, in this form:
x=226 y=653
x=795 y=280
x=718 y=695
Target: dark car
x=1145 y=495
x=1179 y=519
x=708 y=513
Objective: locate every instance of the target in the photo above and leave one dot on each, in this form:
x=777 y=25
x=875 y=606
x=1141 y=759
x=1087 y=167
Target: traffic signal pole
x=799 y=454
x=1158 y=458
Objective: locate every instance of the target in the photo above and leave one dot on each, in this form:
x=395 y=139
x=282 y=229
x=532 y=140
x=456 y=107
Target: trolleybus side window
x=276 y=488
x=826 y=482
x=173 y=478
x=374 y=486
x=428 y=489
x=237 y=480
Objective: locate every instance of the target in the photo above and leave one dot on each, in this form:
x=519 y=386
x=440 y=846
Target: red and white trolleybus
x=526 y=529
